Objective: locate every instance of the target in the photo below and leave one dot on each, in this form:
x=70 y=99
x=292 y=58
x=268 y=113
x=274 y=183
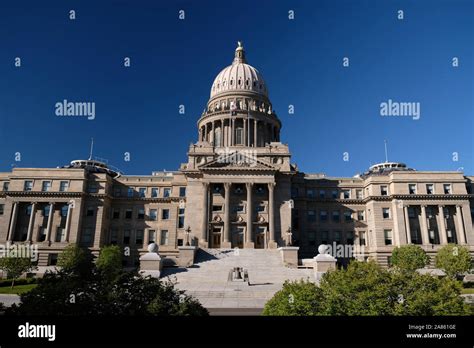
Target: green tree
x=364 y=288
x=453 y=260
x=16 y=266
x=409 y=257
x=109 y=261
x=74 y=259
x=295 y=299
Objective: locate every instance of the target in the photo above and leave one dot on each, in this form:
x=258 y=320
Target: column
x=249 y=234
x=214 y=133
x=232 y=134
x=222 y=133
x=424 y=228
x=205 y=216
x=226 y=243
x=407 y=223
x=460 y=227
x=50 y=221
x=205 y=132
x=272 y=137
x=442 y=226
x=245 y=132
x=255 y=133
x=31 y=222
x=11 y=232
x=68 y=219
x=200 y=134
x=271 y=214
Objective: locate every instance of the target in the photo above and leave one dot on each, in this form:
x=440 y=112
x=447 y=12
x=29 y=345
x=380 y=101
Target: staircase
x=208 y=278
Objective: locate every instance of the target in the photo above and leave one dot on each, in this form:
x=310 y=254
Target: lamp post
x=188 y=231
x=289 y=234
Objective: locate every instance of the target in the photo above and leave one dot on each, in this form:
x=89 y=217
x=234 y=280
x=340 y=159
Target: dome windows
x=231 y=82
x=239 y=82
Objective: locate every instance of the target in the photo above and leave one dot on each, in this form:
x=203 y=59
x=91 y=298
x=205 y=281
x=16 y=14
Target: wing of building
x=238 y=189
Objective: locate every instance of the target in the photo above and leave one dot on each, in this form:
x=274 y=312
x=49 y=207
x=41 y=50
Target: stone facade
x=238 y=189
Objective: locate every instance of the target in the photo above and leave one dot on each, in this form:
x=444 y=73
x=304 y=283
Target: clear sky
x=174 y=62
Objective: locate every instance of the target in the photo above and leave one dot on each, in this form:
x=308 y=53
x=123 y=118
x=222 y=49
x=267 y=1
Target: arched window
x=217 y=137
x=231 y=82
x=239 y=136
x=247 y=82
x=239 y=82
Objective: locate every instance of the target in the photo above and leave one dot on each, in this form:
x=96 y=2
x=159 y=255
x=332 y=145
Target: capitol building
x=238 y=189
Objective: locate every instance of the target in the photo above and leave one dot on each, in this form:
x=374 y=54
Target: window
x=113 y=236
x=322 y=194
x=165 y=214
x=151 y=236
x=63 y=186
x=346 y=194
x=117 y=192
x=310 y=193
x=411 y=213
x=359 y=194
x=324 y=237
x=28 y=185
x=90 y=211
x=52 y=259
x=446 y=212
x=46 y=186
x=141 y=214
x=238 y=189
x=323 y=215
x=261 y=190
x=217 y=189
x=429 y=189
x=153 y=214
x=126 y=237
x=384 y=190
x=451 y=238
x=217 y=208
x=130 y=192
x=412 y=189
x=167 y=192
x=142 y=192
x=386 y=213
x=240 y=208
x=182 y=191
x=164 y=237
x=335 y=216
x=181 y=218
x=294 y=192
x=389 y=261
x=64 y=210
x=2 y=208
x=239 y=135
x=337 y=237
x=87 y=236
x=311 y=215
x=360 y=215
x=312 y=238
x=388 y=237
x=42 y=234
x=261 y=208
x=60 y=234
x=92 y=187
x=350 y=237
x=139 y=237
x=334 y=194
x=154 y=192
x=6 y=184
x=116 y=213
x=28 y=209
x=128 y=214
x=447 y=189
x=347 y=216
x=362 y=238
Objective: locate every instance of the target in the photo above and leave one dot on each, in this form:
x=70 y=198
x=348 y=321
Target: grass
x=17 y=289
x=468 y=291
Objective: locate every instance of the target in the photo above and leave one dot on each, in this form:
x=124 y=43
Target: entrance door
x=260 y=238
x=216 y=237
x=238 y=238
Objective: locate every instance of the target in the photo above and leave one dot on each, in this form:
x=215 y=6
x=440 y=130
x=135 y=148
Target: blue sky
x=175 y=61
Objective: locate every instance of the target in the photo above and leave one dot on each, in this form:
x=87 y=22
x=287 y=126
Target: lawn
x=17 y=289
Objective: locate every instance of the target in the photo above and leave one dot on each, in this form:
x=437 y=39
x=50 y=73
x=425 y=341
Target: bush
x=8 y=282
x=367 y=289
x=409 y=257
x=453 y=260
x=75 y=259
x=110 y=261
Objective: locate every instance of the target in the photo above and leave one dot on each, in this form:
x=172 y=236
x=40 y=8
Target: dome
x=239 y=77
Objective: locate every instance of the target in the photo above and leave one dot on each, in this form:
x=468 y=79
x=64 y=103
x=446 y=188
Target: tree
x=16 y=266
x=409 y=257
x=294 y=299
x=364 y=288
x=74 y=259
x=110 y=261
x=453 y=260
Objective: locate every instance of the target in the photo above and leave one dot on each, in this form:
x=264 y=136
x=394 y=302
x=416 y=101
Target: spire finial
x=386 y=152
x=92 y=149
x=239 y=53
